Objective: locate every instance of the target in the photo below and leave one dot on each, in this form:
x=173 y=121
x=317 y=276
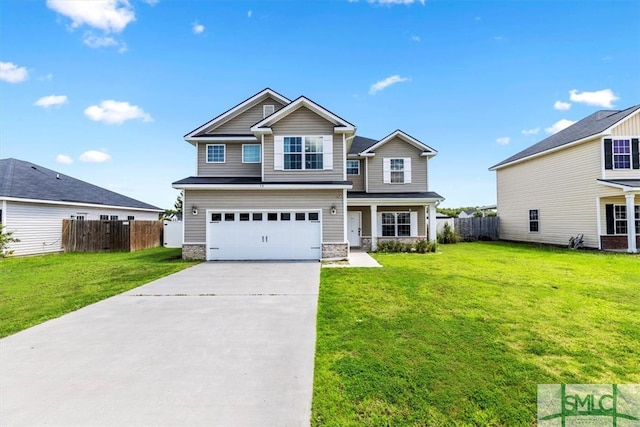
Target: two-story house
x=583 y=180
x=282 y=179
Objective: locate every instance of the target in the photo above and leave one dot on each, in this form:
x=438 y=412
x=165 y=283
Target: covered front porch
x=372 y=218
x=619 y=222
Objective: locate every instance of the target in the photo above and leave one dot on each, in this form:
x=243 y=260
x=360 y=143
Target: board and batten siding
x=358 y=180
x=232 y=166
x=39 y=225
x=631 y=129
x=563 y=187
x=264 y=200
x=397 y=148
x=241 y=124
x=303 y=122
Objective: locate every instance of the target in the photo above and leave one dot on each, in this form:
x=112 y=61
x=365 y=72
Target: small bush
x=395 y=246
x=6 y=237
x=423 y=246
x=448 y=235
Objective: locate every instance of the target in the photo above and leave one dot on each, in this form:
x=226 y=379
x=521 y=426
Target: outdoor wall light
x=333 y=210
x=194 y=210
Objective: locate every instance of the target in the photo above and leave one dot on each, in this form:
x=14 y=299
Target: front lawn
x=35 y=289
x=463 y=336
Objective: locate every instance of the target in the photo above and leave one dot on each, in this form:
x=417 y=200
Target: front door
x=354 y=224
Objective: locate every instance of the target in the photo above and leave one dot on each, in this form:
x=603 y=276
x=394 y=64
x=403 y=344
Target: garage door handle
x=266 y=239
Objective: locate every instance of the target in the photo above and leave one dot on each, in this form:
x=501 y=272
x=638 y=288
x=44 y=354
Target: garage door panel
x=280 y=235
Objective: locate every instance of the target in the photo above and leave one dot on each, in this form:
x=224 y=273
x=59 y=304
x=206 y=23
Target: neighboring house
x=282 y=179
x=34 y=200
x=584 y=179
x=469 y=213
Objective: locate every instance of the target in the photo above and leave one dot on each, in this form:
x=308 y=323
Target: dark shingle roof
x=418 y=195
x=26 y=180
x=360 y=143
x=591 y=125
x=249 y=180
x=635 y=183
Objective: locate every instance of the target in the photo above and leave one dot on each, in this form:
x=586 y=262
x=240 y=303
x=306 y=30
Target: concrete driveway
x=218 y=344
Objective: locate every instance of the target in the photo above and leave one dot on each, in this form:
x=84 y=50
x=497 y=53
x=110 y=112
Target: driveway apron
x=218 y=344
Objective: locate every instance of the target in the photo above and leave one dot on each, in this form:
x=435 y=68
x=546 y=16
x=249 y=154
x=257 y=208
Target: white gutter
x=88 y=205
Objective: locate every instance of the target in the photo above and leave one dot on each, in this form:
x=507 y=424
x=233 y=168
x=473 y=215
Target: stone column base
x=196 y=252
x=335 y=250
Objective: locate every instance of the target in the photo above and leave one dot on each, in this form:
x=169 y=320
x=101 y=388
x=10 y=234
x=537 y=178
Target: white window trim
x=266 y=108
x=358 y=163
x=279 y=153
x=529 y=220
x=251 y=145
x=413 y=223
x=224 y=153
x=613 y=154
x=615 y=220
x=406 y=170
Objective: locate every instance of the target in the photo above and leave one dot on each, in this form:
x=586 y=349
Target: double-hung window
x=251 y=153
x=620 y=218
x=396 y=224
x=353 y=167
x=215 y=153
x=534 y=220
x=621 y=154
x=303 y=152
x=396 y=170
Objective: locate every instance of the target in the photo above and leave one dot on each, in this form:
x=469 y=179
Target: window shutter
x=386 y=171
x=379 y=224
x=327 y=152
x=611 y=228
x=608 y=154
x=407 y=170
x=278 y=153
x=635 y=153
x=413 y=216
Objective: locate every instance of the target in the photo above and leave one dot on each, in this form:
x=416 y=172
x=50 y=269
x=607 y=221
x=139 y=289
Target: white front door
x=354 y=224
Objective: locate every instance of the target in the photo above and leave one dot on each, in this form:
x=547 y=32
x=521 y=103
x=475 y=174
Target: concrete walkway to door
x=218 y=344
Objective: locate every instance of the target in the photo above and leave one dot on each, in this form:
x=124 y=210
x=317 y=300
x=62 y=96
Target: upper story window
x=251 y=153
x=621 y=153
x=396 y=170
x=215 y=153
x=534 y=220
x=303 y=152
x=353 y=167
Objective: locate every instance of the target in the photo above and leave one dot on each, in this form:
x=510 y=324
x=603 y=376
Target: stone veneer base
x=335 y=250
x=196 y=252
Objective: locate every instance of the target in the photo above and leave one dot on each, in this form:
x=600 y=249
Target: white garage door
x=258 y=235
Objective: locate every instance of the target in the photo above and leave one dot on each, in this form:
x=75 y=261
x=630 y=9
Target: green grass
x=462 y=337
x=35 y=289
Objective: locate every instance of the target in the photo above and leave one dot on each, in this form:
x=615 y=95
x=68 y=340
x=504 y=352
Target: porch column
x=432 y=223
x=374 y=227
x=631 y=223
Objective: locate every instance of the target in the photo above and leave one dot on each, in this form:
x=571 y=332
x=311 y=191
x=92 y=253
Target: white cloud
x=559 y=125
x=64 y=159
x=10 y=72
x=503 y=140
x=96 y=42
x=51 y=100
x=415 y=38
x=95 y=156
x=250 y=14
x=562 y=106
x=385 y=83
x=107 y=15
x=116 y=112
x=46 y=78
x=533 y=131
x=601 y=98
x=197 y=28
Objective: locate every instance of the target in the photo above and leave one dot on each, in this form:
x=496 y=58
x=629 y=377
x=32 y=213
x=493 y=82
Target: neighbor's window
x=397 y=171
x=534 y=221
x=621 y=154
x=131 y=218
x=104 y=217
x=353 y=167
x=215 y=153
x=113 y=217
x=396 y=224
x=251 y=153
x=81 y=216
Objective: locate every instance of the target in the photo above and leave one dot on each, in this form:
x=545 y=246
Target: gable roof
x=426 y=150
x=341 y=125
x=238 y=109
x=598 y=123
x=25 y=180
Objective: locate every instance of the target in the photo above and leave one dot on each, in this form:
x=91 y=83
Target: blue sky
x=105 y=90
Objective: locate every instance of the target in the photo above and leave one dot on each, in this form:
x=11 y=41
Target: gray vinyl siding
x=366 y=217
x=303 y=122
x=264 y=200
x=242 y=123
x=232 y=166
x=397 y=148
x=39 y=225
x=358 y=180
x=563 y=187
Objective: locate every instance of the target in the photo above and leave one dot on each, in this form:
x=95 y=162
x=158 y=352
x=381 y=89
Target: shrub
x=394 y=246
x=424 y=246
x=448 y=235
x=5 y=239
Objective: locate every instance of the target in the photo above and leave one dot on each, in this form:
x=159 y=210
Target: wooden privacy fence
x=478 y=228
x=110 y=236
